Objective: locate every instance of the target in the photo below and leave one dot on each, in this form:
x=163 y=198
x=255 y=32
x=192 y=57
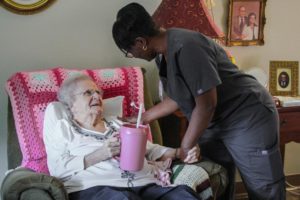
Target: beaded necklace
x=95 y=134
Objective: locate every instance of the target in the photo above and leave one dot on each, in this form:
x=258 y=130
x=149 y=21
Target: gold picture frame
x=246 y=22
x=25 y=6
x=283 y=78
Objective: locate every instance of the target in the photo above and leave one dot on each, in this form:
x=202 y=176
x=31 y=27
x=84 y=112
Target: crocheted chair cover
x=31 y=92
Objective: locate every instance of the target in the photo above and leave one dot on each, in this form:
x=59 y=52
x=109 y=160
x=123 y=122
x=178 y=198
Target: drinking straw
x=139 y=116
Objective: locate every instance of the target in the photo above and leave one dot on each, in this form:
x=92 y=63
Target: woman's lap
x=148 y=192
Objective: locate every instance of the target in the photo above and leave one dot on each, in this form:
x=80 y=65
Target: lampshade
x=189 y=14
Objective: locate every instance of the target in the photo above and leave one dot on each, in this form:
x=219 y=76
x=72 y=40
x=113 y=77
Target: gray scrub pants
x=254 y=150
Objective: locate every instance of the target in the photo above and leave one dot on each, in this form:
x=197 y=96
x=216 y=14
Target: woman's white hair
x=65 y=93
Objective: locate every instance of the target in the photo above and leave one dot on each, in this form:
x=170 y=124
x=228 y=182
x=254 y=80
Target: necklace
x=95 y=134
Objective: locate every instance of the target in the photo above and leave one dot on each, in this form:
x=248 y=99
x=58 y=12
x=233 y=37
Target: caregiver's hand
x=193 y=155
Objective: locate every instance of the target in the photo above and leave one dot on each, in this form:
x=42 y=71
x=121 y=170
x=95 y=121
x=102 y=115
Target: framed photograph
x=26 y=6
x=246 y=22
x=284 y=78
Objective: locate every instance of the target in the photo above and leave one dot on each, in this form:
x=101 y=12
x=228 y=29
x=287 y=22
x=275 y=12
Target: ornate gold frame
x=17 y=6
x=289 y=67
x=262 y=20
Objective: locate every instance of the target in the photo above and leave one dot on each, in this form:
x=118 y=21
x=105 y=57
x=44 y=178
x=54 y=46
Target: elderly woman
x=82 y=147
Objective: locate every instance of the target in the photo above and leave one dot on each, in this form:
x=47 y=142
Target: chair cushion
x=193 y=176
x=196 y=176
x=31 y=92
x=22 y=183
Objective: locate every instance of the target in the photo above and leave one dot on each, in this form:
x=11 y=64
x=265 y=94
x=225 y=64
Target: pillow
x=113 y=106
x=31 y=92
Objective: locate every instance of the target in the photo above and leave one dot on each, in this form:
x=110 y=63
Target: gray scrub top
x=196 y=64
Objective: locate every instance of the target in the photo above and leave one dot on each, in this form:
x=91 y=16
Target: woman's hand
x=110 y=149
x=193 y=155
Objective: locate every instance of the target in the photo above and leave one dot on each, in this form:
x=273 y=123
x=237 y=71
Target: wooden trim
x=293 y=179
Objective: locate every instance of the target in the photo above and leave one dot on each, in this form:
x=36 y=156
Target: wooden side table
x=289 y=118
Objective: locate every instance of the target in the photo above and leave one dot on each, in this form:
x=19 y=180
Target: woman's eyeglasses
x=127 y=53
x=90 y=92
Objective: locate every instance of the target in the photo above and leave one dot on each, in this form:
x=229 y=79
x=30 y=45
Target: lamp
x=189 y=14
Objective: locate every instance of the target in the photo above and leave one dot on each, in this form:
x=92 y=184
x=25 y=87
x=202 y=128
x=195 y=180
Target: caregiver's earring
x=145 y=48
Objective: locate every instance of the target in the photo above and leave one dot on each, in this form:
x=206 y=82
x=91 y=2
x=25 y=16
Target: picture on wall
x=26 y=7
x=284 y=78
x=246 y=22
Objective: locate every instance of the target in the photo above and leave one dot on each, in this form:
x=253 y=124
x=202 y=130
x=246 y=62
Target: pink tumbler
x=133 y=147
